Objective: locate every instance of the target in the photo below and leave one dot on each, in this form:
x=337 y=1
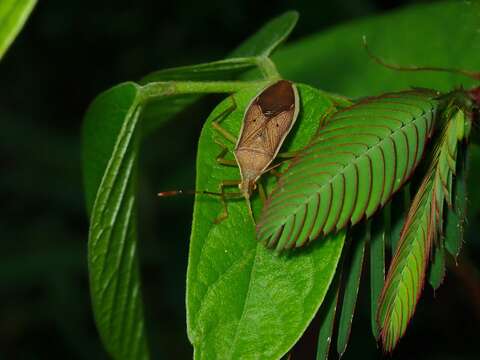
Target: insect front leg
x=221 y=156
x=216 y=122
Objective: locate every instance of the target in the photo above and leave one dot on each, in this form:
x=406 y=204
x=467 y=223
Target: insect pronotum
x=268 y=119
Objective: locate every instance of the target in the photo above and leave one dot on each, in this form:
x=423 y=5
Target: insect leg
x=275 y=173
x=216 y=122
x=223 y=195
x=221 y=156
x=261 y=191
x=288 y=154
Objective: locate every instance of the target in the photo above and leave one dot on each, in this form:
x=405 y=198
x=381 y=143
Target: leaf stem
x=268 y=68
x=171 y=88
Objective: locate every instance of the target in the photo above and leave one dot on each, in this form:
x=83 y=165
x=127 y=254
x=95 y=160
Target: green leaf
x=456 y=216
x=437 y=267
x=269 y=37
x=351 y=167
x=405 y=277
x=111 y=146
x=379 y=236
x=243 y=301
x=13 y=16
x=400 y=205
x=215 y=70
x=110 y=152
x=425 y=35
x=352 y=284
x=244 y=58
x=327 y=317
x=110 y=155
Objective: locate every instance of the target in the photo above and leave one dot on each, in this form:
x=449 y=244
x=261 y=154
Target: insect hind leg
x=224 y=195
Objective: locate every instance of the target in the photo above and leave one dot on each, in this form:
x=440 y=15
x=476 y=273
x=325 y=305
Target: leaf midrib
x=235 y=338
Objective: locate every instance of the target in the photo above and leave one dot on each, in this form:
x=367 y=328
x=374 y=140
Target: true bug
x=267 y=120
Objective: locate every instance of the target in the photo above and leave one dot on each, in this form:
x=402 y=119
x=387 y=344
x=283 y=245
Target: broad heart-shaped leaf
x=352 y=166
x=110 y=150
x=244 y=301
x=406 y=275
x=425 y=35
x=13 y=15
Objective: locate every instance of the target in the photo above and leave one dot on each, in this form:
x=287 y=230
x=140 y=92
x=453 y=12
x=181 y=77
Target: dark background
x=69 y=52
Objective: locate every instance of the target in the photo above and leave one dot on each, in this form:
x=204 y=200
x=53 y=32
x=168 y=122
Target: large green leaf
x=351 y=167
x=110 y=151
x=243 y=301
x=111 y=147
x=13 y=15
x=438 y=34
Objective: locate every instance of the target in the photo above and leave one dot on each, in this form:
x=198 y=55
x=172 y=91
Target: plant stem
x=171 y=88
x=268 y=68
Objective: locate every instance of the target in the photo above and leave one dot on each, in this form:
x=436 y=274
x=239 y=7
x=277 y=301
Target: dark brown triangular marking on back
x=277 y=98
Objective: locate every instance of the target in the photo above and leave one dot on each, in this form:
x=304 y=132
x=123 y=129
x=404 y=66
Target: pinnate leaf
x=351 y=167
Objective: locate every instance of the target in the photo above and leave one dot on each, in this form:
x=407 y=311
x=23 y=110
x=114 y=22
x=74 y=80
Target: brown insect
x=267 y=121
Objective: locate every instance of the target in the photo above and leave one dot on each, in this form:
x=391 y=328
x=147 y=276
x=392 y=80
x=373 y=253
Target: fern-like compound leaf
x=351 y=167
x=406 y=275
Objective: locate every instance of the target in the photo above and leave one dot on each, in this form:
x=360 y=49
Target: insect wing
x=267 y=122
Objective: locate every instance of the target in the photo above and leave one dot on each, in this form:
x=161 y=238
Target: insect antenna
x=380 y=61
x=187 y=192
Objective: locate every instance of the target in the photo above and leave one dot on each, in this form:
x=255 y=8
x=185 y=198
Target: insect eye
x=277 y=125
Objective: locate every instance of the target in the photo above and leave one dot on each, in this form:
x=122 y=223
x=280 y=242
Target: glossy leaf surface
x=243 y=300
